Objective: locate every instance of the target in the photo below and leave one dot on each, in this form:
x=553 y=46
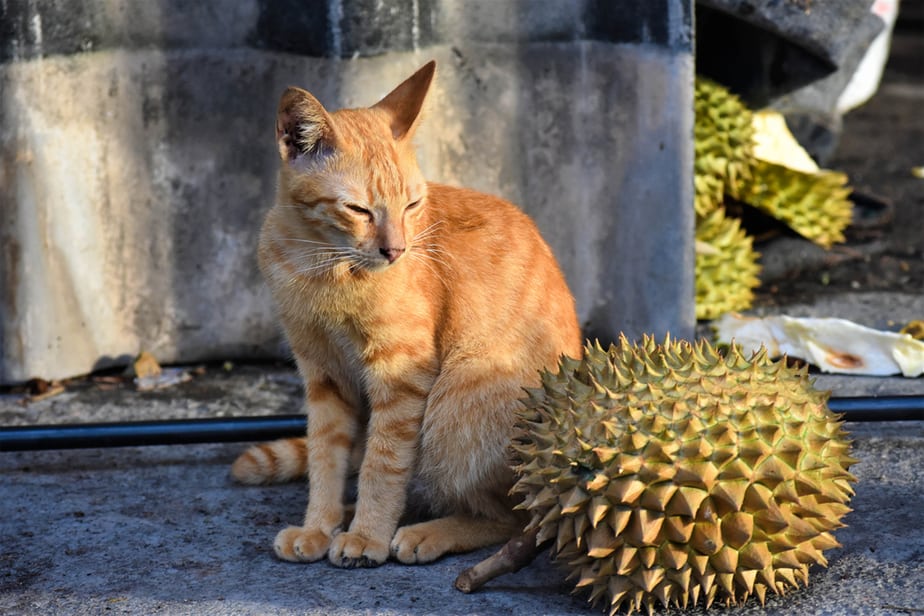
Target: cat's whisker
x=320 y=260
x=427 y=232
x=298 y=239
x=431 y=262
x=434 y=253
x=416 y=256
x=435 y=248
x=433 y=259
x=319 y=266
x=360 y=261
x=316 y=267
x=313 y=258
x=319 y=256
x=424 y=236
x=321 y=248
x=328 y=253
x=315 y=270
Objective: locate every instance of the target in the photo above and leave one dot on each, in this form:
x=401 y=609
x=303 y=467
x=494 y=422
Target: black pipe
x=162 y=432
x=879 y=408
x=236 y=429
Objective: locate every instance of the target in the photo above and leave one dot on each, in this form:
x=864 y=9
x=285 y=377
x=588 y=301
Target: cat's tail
x=272 y=462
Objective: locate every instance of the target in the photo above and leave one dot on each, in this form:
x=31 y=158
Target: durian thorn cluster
x=728 y=254
x=815 y=205
x=726 y=267
x=723 y=138
x=668 y=474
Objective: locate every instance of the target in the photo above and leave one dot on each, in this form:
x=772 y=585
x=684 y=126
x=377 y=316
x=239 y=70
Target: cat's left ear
x=303 y=126
x=404 y=103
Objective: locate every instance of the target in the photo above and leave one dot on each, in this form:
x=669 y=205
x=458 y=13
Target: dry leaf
x=146 y=366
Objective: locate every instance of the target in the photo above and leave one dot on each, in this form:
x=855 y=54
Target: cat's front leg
x=332 y=426
x=390 y=455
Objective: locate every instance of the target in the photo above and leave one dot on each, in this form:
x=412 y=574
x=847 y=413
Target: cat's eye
x=412 y=206
x=358 y=209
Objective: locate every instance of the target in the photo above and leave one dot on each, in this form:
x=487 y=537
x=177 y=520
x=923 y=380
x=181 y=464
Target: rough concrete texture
x=134 y=183
x=161 y=530
x=330 y=28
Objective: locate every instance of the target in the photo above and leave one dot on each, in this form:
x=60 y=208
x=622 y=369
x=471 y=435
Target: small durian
x=726 y=266
x=669 y=474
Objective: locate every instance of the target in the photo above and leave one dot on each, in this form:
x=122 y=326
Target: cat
x=416 y=313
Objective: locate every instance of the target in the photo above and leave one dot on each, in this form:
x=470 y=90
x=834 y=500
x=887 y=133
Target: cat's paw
x=350 y=550
x=413 y=544
x=299 y=544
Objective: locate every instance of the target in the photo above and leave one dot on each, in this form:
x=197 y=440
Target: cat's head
x=349 y=179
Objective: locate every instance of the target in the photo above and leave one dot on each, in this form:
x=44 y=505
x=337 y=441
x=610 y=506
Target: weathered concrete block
x=133 y=180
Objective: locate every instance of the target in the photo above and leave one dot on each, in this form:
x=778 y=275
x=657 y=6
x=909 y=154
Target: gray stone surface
x=135 y=175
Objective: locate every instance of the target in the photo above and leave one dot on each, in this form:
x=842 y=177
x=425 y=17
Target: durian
x=726 y=266
x=814 y=205
x=669 y=474
x=723 y=138
x=726 y=164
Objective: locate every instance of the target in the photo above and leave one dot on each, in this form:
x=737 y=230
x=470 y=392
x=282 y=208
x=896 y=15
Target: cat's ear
x=404 y=103
x=303 y=126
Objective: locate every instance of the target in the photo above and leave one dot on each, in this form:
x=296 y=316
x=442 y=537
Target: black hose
x=162 y=432
x=236 y=429
x=879 y=408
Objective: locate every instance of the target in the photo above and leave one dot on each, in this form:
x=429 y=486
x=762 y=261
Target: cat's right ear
x=303 y=126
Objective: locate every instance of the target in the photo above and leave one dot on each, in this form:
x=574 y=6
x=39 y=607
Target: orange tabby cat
x=416 y=313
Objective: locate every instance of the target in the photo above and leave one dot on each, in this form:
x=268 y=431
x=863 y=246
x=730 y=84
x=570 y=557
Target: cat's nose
x=391 y=254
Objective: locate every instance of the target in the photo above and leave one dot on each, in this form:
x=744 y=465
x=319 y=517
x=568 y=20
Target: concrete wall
x=137 y=156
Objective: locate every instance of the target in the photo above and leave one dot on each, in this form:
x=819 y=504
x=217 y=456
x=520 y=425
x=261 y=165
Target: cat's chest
x=357 y=323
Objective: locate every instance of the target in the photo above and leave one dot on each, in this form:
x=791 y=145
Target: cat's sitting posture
x=417 y=313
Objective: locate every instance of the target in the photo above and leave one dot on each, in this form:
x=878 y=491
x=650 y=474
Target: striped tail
x=273 y=462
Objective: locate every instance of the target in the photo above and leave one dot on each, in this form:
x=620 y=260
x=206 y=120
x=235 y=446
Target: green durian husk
x=814 y=205
x=726 y=271
x=668 y=474
x=723 y=144
x=726 y=266
x=708 y=186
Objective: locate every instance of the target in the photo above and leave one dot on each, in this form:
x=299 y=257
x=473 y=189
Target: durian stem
x=516 y=554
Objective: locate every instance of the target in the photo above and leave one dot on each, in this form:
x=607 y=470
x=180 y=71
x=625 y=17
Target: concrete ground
x=161 y=530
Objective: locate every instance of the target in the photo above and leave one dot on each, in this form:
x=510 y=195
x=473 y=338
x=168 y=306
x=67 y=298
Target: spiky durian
x=669 y=474
x=814 y=205
x=726 y=266
x=723 y=144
